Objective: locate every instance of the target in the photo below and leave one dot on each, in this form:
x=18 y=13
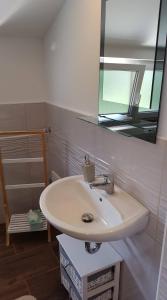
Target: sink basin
x=115 y=217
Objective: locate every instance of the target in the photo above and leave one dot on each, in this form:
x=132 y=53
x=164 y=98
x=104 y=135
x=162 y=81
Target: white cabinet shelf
x=19 y=223
x=87 y=276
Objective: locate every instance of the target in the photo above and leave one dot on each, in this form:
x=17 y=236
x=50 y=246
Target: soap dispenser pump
x=88 y=170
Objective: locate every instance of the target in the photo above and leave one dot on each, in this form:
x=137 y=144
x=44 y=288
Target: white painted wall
x=72 y=55
x=22 y=75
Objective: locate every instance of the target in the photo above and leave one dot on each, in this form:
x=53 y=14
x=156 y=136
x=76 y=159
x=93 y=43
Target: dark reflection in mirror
x=132 y=59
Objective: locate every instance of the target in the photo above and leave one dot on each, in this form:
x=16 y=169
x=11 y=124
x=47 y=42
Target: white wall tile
x=137 y=166
x=162 y=286
x=141 y=255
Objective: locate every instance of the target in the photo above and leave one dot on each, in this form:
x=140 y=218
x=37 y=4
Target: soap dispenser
x=88 y=169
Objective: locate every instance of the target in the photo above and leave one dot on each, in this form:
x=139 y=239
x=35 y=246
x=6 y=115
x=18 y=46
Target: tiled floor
x=30 y=266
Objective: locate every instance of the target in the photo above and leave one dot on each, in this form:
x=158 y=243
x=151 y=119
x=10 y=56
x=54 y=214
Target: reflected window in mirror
x=132 y=59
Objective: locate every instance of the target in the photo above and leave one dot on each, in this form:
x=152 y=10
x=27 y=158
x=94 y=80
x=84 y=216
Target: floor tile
x=47 y=286
x=28 y=241
x=30 y=266
x=6 y=251
x=23 y=265
x=13 y=291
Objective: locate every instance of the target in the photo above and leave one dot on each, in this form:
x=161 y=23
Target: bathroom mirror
x=132 y=60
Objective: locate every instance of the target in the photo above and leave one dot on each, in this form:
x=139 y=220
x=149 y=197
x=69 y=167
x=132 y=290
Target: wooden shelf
x=22 y=160
x=17 y=223
x=24 y=186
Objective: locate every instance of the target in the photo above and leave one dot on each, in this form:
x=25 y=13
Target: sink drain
x=87 y=218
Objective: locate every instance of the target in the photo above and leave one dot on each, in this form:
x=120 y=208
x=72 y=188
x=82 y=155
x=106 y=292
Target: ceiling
x=28 y=18
x=132 y=22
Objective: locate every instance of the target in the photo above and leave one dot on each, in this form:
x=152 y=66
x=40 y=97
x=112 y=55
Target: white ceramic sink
x=116 y=216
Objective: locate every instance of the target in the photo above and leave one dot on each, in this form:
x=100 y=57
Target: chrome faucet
x=103 y=182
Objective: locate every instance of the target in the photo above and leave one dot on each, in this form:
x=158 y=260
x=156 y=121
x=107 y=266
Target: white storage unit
x=89 y=276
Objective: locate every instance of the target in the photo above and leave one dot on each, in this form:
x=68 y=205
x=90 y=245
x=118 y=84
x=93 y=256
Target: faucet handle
x=109 y=178
x=99 y=181
x=110 y=183
x=104 y=181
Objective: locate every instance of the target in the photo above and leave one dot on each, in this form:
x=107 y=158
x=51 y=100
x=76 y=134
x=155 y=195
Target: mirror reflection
x=131 y=66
